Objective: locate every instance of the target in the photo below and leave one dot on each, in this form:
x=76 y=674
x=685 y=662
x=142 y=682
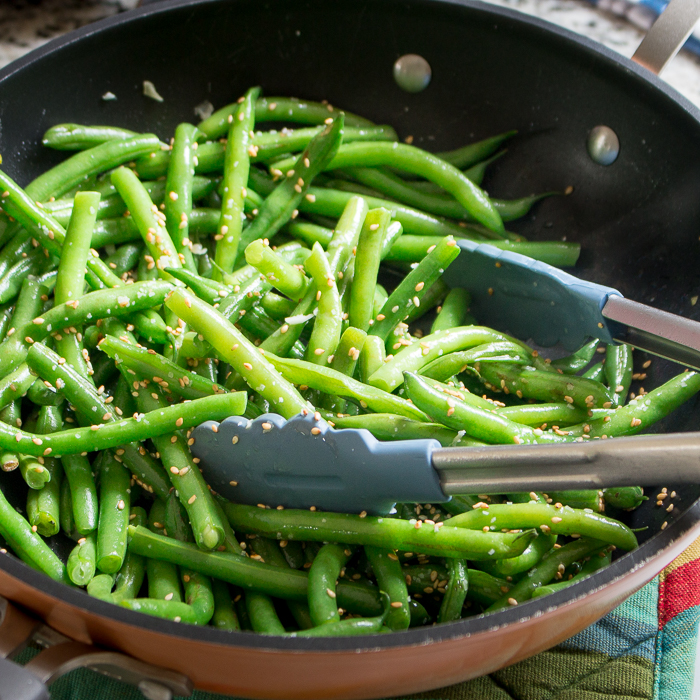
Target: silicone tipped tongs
x=303 y=462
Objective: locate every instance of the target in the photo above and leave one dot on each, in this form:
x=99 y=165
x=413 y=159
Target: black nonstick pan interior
x=638 y=220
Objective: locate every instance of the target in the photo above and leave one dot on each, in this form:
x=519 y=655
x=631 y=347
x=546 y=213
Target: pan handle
x=667 y=35
x=62 y=655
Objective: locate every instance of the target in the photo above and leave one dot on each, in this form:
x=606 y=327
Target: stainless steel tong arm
x=593 y=464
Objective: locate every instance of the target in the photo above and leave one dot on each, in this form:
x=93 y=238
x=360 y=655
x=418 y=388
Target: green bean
x=198 y=592
x=238 y=351
x=78 y=473
x=224 y=617
x=549 y=519
x=151 y=225
x=272 y=144
x=545 y=386
x=100 y=304
x=15 y=385
x=545 y=571
x=43 y=506
x=100 y=586
x=387 y=184
x=262 y=614
x=596 y=372
x=280 y=205
x=76 y=137
x=108 y=155
x=185 y=476
x=386 y=426
x=115 y=482
x=453 y=311
x=390 y=578
x=388 y=533
x=286 y=278
x=35 y=474
x=414 y=160
x=209 y=158
x=178 y=200
x=618 y=372
x=643 y=411
x=93 y=410
x=345 y=628
x=27 y=544
x=412 y=358
x=595 y=562
x=328 y=324
x=171 y=377
x=625 y=497
x=238 y=570
x=131 y=574
x=276 y=306
x=344 y=361
x=12 y=415
x=578 y=360
x=542 y=544
x=456 y=592
x=478 y=421
x=323 y=574
x=81 y=562
x=11 y=281
x=345 y=237
x=125 y=258
x=372 y=357
x=12 y=349
x=236 y=167
x=167 y=609
x=414 y=287
x=457 y=362
x=543 y=414
x=163 y=577
x=283 y=109
x=367 y=261
x=581 y=498
x=330 y=202
x=332 y=382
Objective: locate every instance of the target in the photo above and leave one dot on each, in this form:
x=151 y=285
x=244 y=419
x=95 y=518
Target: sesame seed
x=248 y=366
x=512 y=601
x=192 y=499
x=397 y=604
x=556 y=519
x=121 y=505
x=331 y=594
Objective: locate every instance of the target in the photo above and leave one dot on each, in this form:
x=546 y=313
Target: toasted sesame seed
x=315 y=431
x=121 y=505
x=192 y=499
x=556 y=519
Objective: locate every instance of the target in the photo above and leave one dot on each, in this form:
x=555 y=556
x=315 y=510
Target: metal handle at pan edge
x=62 y=655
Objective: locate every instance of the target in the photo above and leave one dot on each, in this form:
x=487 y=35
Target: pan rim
x=621 y=568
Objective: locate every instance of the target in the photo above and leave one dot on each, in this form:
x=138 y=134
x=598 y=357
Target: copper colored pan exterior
x=493 y=70
x=433 y=658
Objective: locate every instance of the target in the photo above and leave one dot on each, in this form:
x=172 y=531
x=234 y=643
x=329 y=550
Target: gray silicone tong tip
x=302 y=463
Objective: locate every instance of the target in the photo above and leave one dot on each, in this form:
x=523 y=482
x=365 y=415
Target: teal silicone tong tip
x=530 y=299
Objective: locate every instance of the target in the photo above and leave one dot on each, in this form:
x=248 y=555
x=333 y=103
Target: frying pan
x=492 y=70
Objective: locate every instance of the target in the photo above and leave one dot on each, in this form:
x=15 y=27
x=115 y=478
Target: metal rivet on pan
x=603 y=145
x=412 y=72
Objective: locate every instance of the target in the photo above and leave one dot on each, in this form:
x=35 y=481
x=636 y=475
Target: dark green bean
x=388 y=533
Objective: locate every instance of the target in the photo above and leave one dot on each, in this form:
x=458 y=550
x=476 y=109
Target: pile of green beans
x=148 y=287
